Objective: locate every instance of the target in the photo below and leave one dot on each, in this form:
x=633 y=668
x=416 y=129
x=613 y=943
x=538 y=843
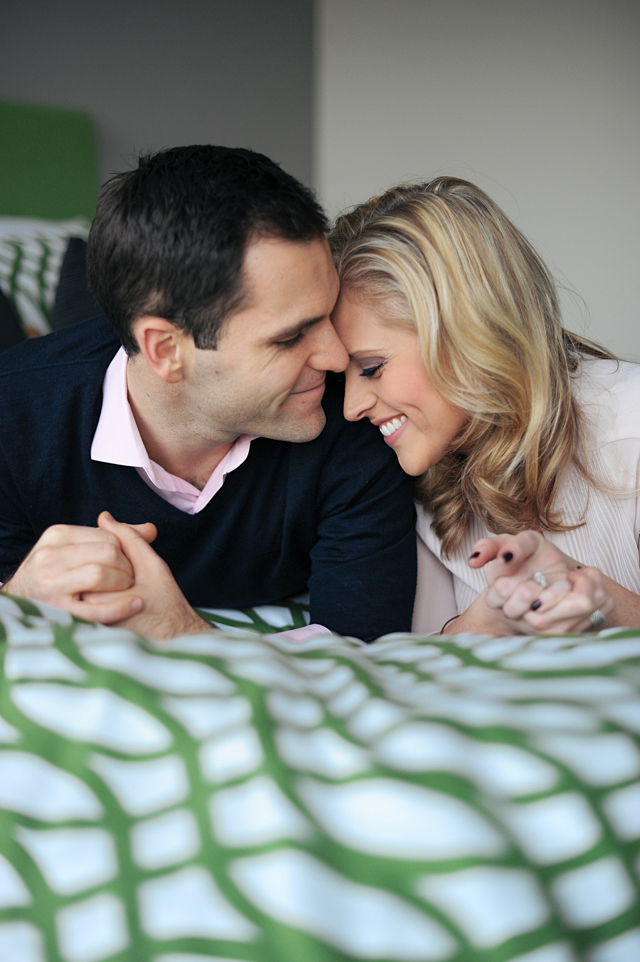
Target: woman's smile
x=389 y=429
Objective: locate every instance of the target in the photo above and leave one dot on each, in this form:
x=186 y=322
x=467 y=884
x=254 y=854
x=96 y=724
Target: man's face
x=266 y=376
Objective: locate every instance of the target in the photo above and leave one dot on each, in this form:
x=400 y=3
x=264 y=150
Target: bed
x=236 y=795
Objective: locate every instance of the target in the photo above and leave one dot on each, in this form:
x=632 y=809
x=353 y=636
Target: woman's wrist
x=479 y=619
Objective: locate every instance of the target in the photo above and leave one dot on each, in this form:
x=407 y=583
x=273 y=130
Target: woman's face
x=387 y=382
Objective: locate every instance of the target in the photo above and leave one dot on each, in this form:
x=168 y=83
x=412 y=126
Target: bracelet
x=441 y=632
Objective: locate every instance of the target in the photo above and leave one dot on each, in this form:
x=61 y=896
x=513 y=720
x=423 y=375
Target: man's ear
x=165 y=347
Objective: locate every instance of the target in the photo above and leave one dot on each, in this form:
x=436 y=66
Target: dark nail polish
x=536 y=605
x=476 y=554
x=507 y=556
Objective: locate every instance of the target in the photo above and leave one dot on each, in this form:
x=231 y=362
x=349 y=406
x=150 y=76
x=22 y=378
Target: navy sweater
x=334 y=515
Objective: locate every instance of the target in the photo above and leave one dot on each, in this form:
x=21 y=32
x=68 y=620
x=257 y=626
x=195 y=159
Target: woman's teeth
x=390 y=426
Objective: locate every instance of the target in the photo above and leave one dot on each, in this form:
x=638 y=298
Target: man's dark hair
x=169 y=237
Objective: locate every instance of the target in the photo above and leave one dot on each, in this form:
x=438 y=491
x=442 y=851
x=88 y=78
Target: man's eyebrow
x=296 y=329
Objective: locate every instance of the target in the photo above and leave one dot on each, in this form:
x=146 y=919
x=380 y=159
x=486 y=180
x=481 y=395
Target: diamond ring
x=540 y=578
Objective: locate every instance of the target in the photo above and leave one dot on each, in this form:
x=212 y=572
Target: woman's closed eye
x=371 y=369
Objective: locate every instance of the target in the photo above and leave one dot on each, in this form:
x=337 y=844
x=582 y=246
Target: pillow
x=10 y=329
x=74 y=301
x=31 y=253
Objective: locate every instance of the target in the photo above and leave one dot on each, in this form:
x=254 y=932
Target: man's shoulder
x=89 y=342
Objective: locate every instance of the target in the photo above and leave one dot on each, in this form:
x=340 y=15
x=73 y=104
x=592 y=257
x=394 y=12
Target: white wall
x=159 y=73
x=536 y=101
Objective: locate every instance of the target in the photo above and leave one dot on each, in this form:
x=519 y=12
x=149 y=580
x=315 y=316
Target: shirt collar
x=117 y=440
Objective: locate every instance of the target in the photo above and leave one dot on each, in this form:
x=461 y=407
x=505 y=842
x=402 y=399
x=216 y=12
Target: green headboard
x=48 y=162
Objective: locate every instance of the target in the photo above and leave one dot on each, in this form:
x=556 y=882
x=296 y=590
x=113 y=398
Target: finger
x=552 y=623
x=148 y=531
x=572 y=612
x=521 y=605
x=588 y=592
x=106 y=554
x=116 y=608
x=486 y=549
x=106 y=597
x=94 y=578
x=107 y=523
x=135 y=546
x=503 y=588
x=63 y=534
x=516 y=596
x=56 y=562
x=505 y=548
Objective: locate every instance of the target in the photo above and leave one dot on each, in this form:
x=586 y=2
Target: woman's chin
x=415 y=451
x=412 y=465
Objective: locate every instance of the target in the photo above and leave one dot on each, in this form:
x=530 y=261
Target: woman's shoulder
x=608 y=393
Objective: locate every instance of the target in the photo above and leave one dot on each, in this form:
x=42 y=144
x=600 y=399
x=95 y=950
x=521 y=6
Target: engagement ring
x=542 y=581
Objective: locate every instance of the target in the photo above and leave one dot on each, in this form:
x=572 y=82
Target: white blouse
x=609 y=396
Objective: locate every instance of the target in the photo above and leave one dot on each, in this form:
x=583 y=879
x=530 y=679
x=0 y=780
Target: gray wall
x=158 y=73
x=537 y=101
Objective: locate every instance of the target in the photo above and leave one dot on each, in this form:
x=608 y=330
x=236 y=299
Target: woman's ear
x=165 y=347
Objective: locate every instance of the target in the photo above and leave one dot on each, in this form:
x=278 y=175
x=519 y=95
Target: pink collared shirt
x=117 y=441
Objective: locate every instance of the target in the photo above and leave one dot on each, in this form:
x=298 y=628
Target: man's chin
x=296 y=429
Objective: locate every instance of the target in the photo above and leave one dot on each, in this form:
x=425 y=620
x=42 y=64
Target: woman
x=511 y=423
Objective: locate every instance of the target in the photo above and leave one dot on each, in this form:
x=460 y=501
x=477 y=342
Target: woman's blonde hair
x=443 y=259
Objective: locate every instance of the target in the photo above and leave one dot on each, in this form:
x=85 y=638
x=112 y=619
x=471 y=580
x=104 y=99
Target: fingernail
x=136 y=604
x=476 y=554
x=507 y=556
x=536 y=605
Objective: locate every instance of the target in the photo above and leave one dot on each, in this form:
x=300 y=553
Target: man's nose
x=359 y=398
x=328 y=353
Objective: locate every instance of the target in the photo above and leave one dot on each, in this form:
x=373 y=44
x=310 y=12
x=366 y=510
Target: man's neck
x=167 y=434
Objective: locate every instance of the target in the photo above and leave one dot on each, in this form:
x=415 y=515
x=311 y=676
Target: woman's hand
x=574 y=591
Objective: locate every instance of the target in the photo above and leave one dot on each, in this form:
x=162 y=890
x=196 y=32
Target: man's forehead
x=285 y=283
x=270 y=260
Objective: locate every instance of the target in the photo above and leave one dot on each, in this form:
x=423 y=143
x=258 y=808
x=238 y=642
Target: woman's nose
x=359 y=398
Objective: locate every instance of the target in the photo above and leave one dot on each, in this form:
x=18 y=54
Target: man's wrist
x=186 y=622
x=196 y=623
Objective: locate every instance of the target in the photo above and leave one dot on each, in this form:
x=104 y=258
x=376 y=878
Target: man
x=214 y=425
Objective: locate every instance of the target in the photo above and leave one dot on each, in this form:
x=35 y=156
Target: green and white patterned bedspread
x=231 y=797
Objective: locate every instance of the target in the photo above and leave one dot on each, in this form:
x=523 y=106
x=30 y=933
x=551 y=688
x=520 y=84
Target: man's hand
x=166 y=612
x=69 y=560
x=574 y=591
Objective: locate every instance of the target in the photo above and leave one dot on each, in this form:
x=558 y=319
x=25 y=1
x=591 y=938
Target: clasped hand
x=573 y=593
x=109 y=574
